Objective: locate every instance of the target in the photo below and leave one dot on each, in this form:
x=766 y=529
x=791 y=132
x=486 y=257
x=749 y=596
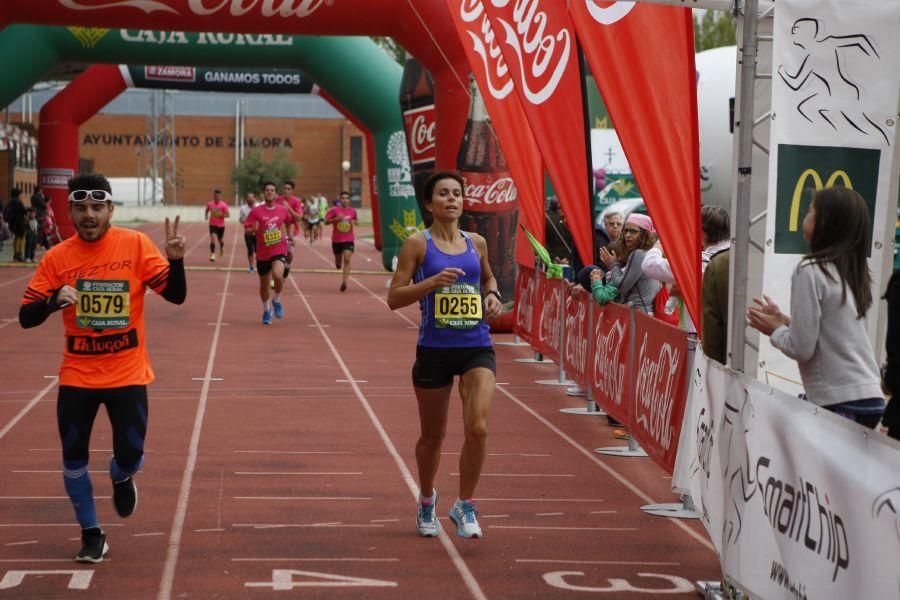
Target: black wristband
x=495 y=293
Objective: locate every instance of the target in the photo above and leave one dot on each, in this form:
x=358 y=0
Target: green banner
x=257 y=81
x=802 y=168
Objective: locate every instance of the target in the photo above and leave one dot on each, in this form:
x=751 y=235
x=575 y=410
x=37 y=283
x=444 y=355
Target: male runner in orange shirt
x=98 y=279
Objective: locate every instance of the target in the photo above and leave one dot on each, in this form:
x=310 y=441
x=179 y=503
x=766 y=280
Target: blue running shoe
x=465 y=514
x=426 y=522
x=279 y=312
x=267 y=317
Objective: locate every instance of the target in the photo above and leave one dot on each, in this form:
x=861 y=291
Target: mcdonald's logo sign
x=801 y=168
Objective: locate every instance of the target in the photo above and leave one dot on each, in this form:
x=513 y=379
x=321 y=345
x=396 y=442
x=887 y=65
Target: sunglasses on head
x=82 y=195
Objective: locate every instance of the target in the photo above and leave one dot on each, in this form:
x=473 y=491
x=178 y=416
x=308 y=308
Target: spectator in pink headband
x=642 y=221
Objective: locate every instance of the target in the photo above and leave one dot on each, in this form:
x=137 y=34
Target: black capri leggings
x=76 y=409
x=250 y=242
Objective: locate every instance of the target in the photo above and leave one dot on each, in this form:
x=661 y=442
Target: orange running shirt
x=105 y=341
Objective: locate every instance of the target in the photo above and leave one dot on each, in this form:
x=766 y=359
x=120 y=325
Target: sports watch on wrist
x=495 y=293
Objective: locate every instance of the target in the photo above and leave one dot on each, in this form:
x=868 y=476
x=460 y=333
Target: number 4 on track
x=283 y=579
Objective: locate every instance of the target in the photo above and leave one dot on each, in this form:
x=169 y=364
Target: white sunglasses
x=82 y=195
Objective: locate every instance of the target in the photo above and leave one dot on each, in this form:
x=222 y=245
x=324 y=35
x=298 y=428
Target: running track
x=280 y=461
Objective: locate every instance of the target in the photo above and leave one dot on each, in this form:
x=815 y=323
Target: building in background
x=328 y=149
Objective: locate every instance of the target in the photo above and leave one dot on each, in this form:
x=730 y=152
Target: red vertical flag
x=505 y=109
x=642 y=57
x=538 y=42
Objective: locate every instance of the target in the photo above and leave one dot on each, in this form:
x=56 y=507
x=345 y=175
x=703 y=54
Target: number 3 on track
x=679 y=584
x=283 y=579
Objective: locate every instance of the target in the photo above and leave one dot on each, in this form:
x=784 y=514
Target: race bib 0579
x=102 y=304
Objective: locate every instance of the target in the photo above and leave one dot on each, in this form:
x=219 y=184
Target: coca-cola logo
x=205 y=8
x=421 y=133
x=654 y=391
x=525 y=302
x=609 y=366
x=484 y=43
x=576 y=344
x=542 y=56
x=548 y=328
x=500 y=191
x=610 y=12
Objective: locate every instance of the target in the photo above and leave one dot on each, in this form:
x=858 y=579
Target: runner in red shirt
x=216 y=212
x=295 y=207
x=343 y=218
x=99 y=280
x=270 y=222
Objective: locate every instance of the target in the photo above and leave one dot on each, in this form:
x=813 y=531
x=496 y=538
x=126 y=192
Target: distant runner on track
x=249 y=236
x=295 y=207
x=216 y=211
x=343 y=218
x=446 y=270
x=270 y=222
x=99 y=279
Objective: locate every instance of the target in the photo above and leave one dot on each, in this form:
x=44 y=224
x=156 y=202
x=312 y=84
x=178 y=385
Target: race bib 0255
x=457 y=307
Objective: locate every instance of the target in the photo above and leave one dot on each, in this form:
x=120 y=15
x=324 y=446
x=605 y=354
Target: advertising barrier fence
x=798 y=502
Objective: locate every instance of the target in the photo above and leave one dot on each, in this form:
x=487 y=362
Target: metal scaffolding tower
x=160 y=175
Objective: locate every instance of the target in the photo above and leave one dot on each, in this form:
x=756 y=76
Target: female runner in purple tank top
x=446 y=271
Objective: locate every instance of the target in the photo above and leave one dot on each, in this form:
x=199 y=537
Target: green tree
x=392 y=47
x=714 y=30
x=253 y=170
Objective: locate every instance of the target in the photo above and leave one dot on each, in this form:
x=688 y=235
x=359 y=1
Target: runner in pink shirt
x=216 y=212
x=270 y=222
x=343 y=218
x=295 y=207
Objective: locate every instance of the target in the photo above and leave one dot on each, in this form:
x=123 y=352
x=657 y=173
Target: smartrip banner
x=526 y=300
x=650 y=91
x=507 y=115
x=610 y=371
x=800 y=503
x=835 y=93
x=538 y=43
x=577 y=350
x=660 y=383
x=548 y=316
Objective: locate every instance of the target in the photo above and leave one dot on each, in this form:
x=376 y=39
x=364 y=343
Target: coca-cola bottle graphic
x=490 y=205
x=417 y=104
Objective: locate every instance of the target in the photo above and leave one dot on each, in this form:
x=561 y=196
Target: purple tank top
x=452 y=317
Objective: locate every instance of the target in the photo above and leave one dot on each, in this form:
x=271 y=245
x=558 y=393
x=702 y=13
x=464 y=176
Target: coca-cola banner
x=660 y=387
x=577 y=346
x=611 y=327
x=538 y=43
x=526 y=297
x=549 y=316
x=505 y=109
x=650 y=91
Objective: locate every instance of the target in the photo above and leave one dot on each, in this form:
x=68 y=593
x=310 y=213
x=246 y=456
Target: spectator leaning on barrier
x=891 y=371
x=635 y=288
x=831 y=291
x=715 y=226
x=715 y=307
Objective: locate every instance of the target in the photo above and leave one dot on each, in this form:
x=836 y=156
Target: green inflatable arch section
x=352 y=70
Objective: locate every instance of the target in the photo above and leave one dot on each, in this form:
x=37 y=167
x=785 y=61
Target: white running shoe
x=465 y=514
x=426 y=522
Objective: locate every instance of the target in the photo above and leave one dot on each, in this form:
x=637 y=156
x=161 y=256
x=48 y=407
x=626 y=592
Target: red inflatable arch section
x=423 y=27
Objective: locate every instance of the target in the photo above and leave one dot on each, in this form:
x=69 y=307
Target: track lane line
x=456 y=558
x=31 y=404
x=174 y=546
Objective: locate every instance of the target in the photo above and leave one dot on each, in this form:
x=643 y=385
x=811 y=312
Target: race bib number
x=272 y=237
x=344 y=226
x=102 y=304
x=457 y=307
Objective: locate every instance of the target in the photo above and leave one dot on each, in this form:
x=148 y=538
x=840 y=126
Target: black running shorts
x=219 y=232
x=264 y=266
x=436 y=367
x=339 y=247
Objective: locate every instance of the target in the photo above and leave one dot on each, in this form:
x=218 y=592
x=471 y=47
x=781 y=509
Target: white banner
x=835 y=98
x=800 y=503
